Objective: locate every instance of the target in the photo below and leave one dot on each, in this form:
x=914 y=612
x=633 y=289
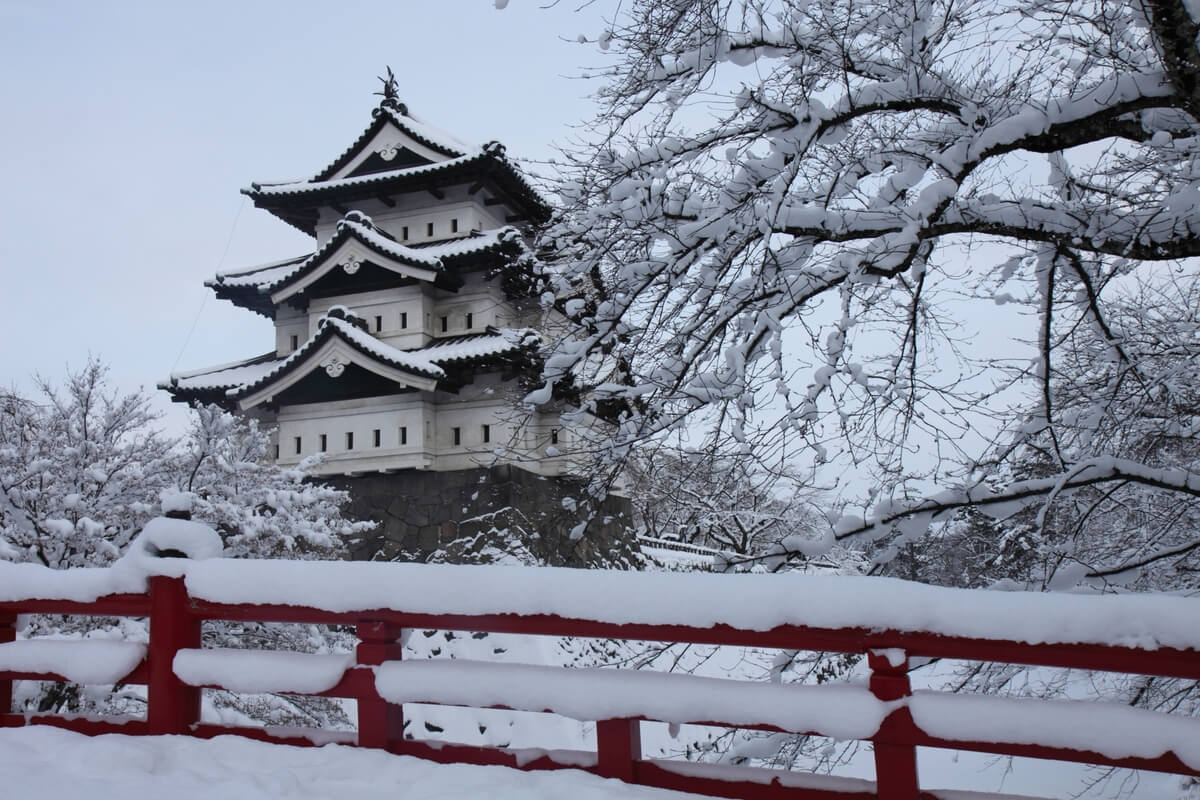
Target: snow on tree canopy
x=791 y=222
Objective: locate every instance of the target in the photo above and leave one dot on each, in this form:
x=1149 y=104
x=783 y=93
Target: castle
x=405 y=343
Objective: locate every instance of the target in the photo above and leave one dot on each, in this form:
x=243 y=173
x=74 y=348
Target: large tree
x=901 y=241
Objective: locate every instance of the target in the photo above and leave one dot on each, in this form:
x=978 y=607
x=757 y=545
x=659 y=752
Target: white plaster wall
x=483 y=301
x=415 y=210
x=361 y=417
x=288 y=323
x=430 y=420
x=388 y=306
x=424 y=307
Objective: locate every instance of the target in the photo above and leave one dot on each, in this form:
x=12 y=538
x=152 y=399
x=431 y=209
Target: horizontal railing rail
x=886 y=712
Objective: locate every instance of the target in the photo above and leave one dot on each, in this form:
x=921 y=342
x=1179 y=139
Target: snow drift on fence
x=749 y=602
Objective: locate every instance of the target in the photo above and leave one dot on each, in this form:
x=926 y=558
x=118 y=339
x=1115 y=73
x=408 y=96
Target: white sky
x=128 y=129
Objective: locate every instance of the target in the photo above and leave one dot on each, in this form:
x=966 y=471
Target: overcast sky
x=128 y=129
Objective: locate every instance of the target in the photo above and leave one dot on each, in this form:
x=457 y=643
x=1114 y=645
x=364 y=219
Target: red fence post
x=618 y=748
x=379 y=722
x=173 y=705
x=895 y=762
x=8 y=633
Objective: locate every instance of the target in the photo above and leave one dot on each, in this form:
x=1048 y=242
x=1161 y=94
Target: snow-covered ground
x=48 y=764
x=51 y=764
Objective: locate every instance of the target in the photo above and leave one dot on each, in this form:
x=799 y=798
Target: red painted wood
x=8 y=633
x=1165 y=662
x=89 y=726
x=618 y=747
x=172 y=705
x=113 y=605
x=379 y=722
x=650 y=774
x=906 y=730
x=139 y=677
x=895 y=759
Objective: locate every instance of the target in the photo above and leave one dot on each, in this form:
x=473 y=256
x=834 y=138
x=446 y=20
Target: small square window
x=297 y=441
x=404 y=233
x=454 y=226
x=470 y=321
x=403 y=319
x=324 y=443
x=378 y=323
x=403 y=435
x=349 y=440
x=377 y=435
x=487 y=433
x=445 y=324
x=429 y=229
x=295 y=341
x=457 y=435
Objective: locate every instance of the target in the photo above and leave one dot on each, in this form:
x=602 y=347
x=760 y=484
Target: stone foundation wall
x=484 y=515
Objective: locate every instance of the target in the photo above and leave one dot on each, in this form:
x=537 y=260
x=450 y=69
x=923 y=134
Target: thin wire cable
x=220 y=263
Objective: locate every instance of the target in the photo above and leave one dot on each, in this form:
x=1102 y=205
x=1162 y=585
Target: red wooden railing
x=174 y=707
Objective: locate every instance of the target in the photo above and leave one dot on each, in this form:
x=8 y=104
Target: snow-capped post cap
x=166 y=544
x=176 y=504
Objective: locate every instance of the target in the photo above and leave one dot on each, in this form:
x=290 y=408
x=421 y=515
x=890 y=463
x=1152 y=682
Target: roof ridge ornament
x=391 y=93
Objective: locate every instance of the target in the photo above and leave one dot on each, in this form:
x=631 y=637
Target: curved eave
x=220 y=379
x=301 y=206
x=246 y=297
x=260 y=298
x=328 y=345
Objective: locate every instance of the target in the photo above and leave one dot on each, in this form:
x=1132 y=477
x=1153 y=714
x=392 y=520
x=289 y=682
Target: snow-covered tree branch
x=915 y=246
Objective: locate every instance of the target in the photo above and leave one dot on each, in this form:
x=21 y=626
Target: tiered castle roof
x=382 y=259
x=396 y=155
x=342 y=342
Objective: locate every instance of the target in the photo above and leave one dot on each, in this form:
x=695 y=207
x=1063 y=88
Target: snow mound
x=165 y=546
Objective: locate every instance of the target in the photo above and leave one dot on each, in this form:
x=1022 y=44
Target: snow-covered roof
x=469 y=245
x=261 y=275
x=239 y=380
x=222 y=376
x=297 y=202
x=268 y=278
x=496 y=341
x=411 y=125
x=295 y=187
x=327 y=327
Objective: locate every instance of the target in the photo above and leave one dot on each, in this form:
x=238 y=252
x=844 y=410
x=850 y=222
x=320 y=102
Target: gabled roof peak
x=391 y=111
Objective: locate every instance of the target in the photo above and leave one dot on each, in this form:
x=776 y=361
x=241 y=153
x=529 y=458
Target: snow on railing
x=891 y=622
x=678 y=546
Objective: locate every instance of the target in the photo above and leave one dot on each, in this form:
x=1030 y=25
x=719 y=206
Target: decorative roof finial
x=390 y=93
